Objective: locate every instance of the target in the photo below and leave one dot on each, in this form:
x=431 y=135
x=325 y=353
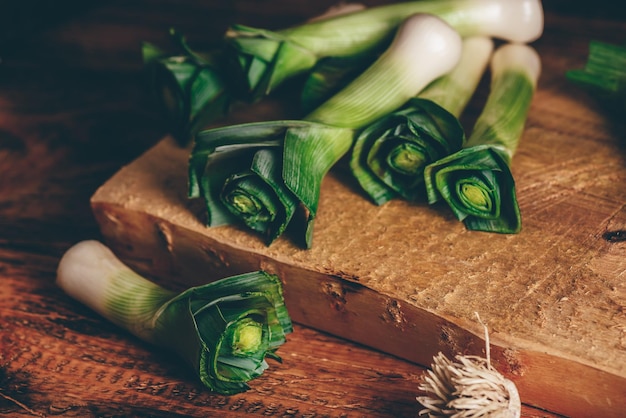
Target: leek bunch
x=224 y=330
x=389 y=156
x=265 y=59
x=189 y=88
x=476 y=182
x=261 y=173
x=604 y=74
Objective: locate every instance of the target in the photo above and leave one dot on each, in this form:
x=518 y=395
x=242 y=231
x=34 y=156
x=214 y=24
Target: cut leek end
x=259 y=203
x=477 y=185
x=245 y=177
x=247 y=338
x=237 y=354
x=224 y=329
x=247 y=198
x=389 y=157
x=407 y=159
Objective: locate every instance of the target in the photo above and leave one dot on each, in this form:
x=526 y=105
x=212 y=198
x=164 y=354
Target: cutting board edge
x=341 y=307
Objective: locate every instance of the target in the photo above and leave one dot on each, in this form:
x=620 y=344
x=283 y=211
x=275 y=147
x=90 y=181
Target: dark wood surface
x=72 y=112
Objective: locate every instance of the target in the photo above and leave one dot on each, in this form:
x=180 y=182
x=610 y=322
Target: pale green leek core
x=298 y=154
x=389 y=155
x=476 y=182
x=268 y=58
x=224 y=330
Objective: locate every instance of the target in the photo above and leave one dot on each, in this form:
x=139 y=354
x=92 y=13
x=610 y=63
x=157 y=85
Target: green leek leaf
x=267 y=58
x=604 y=74
x=476 y=182
x=223 y=330
x=190 y=89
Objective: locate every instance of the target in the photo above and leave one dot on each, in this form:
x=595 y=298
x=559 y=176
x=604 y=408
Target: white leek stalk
x=266 y=58
x=190 y=89
x=515 y=71
x=223 y=330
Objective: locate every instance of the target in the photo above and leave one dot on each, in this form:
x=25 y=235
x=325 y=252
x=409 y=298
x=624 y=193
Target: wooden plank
x=58 y=358
x=67 y=129
x=553 y=295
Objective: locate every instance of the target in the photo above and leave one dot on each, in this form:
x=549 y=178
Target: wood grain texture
x=398 y=275
x=72 y=112
x=61 y=359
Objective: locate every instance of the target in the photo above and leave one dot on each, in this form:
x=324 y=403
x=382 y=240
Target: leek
x=265 y=58
x=286 y=161
x=224 y=330
x=189 y=88
x=389 y=156
x=604 y=74
x=237 y=170
x=476 y=182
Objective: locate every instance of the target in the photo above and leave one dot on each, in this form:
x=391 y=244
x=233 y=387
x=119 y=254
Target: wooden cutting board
x=408 y=279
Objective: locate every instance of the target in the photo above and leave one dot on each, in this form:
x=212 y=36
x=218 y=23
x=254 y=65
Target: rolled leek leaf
x=189 y=88
x=389 y=156
x=604 y=75
x=238 y=171
x=476 y=182
x=267 y=58
x=425 y=47
x=224 y=330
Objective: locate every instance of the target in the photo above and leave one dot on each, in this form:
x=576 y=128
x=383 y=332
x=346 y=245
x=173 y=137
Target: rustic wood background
x=72 y=112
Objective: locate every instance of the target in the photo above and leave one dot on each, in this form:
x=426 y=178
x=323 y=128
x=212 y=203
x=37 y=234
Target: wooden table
x=72 y=112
